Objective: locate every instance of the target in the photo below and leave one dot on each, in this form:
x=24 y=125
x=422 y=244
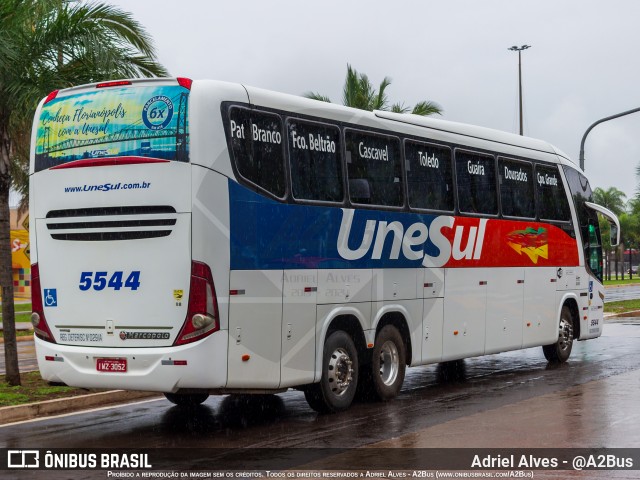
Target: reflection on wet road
x=626 y=292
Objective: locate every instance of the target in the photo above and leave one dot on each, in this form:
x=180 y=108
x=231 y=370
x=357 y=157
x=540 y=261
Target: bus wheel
x=186 y=399
x=339 y=380
x=559 y=352
x=388 y=363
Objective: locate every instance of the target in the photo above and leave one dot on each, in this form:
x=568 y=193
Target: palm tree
x=358 y=92
x=614 y=200
x=633 y=206
x=46 y=45
x=611 y=198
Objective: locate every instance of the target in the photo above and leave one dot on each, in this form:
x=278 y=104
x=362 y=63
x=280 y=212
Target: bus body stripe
x=269 y=235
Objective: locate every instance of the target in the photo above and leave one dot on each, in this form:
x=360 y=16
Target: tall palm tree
x=611 y=198
x=46 y=45
x=358 y=92
x=633 y=206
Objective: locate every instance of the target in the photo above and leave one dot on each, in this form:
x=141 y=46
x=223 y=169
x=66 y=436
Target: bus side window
x=552 y=196
x=517 y=194
x=256 y=141
x=429 y=176
x=315 y=161
x=374 y=168
x=476 y=183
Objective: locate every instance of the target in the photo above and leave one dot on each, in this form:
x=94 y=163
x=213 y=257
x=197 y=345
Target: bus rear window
x=115 y=122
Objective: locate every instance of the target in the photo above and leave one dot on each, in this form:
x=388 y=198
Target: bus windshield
x=144 y=121
x=587 y=219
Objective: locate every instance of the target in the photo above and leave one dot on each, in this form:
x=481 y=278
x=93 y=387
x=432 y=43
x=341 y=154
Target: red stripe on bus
x=103 y=162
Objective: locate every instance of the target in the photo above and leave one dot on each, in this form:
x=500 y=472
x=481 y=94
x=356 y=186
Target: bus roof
x=467 y=130
x=298 y=104
x=259 y=96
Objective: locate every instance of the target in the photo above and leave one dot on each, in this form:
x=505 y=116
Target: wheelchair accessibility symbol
x=50 y=297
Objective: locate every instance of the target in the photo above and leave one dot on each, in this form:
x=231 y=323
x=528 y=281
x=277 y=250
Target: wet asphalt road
x=432 y=396
x=624 y=292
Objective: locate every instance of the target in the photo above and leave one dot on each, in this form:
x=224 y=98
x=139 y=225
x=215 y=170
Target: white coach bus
x=199 y=238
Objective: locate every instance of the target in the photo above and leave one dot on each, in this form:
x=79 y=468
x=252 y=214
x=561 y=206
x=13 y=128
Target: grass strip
x=622 y=306
x=626 y=281
x=34 y=389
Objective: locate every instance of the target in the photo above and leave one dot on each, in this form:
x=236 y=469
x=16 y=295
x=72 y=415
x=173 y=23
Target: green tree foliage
x=47 y=45
x=358 y=92
x=614 y=200
x=611 y=198
x=633 y=206
x=629 y=236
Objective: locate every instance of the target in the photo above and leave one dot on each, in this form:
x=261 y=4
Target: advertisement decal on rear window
x=116 y=122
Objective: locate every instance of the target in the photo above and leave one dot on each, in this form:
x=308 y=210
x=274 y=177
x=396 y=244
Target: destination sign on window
x=314 y=155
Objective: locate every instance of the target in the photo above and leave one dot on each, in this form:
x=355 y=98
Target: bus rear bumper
x=201 y=365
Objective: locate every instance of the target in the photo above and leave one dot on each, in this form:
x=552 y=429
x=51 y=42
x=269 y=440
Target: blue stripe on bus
x=268 y=235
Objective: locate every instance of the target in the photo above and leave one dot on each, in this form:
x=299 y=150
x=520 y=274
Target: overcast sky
x=583 y=64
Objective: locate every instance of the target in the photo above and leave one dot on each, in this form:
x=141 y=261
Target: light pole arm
x=602 y=120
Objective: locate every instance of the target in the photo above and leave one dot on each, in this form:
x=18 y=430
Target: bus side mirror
x=614 y=237
x=611 y=217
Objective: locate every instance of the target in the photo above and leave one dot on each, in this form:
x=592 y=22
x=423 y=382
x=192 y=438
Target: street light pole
x=602 y=120
x=519 y=50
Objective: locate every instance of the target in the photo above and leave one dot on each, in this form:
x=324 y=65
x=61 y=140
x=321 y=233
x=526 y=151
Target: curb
x=17 y=413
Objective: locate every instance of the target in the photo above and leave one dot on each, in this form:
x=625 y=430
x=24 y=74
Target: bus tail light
x=116 y=83
x=184 y=82
x=51 y=96
x=40 y=327
x=202 y=313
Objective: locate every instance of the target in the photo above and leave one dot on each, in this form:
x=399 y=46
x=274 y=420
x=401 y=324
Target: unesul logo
x=157 y=112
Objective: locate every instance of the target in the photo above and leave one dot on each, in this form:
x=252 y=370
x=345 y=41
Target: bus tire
x=388 y=364
x=559 y=352
x=337 y=386
x=186 y=399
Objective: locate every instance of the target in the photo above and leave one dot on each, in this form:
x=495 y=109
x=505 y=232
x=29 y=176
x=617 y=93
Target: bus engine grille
x=111 y=223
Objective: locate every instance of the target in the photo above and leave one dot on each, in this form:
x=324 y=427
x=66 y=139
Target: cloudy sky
x=583 y=64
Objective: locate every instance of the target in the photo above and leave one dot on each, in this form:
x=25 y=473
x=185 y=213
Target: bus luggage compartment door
x=255 y=325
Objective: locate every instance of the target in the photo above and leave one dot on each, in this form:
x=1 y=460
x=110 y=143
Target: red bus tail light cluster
x=41 y=329
x=202 y=313
x=51 y=96
x=184 y=82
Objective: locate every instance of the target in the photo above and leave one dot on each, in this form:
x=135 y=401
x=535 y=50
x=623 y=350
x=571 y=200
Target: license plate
x=111 y=364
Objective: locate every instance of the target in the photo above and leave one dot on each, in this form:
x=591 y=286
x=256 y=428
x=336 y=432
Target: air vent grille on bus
x=101 y=211
x=112 y=223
